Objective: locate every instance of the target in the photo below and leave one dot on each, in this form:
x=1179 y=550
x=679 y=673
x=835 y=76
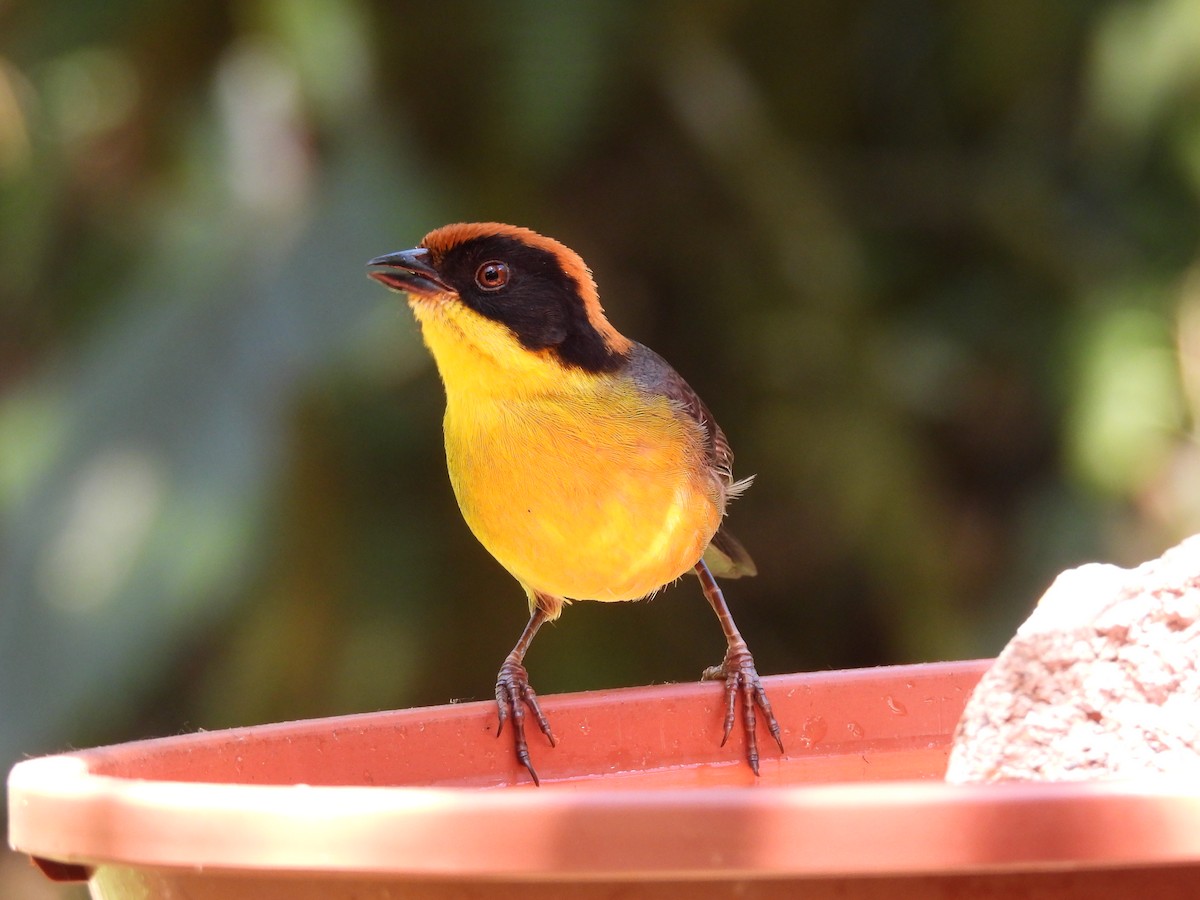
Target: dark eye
x=492 y=276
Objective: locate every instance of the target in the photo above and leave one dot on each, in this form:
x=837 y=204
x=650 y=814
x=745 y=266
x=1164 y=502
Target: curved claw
x=740 y=677
x=513 y=695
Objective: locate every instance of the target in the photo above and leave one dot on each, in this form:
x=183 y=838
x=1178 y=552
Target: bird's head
x=508 y=294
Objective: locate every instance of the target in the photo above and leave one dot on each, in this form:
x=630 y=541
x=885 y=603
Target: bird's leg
x=514 y=693
x=738 y=672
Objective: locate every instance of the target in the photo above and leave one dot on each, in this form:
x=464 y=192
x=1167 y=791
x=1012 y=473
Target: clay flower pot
x=637 y=800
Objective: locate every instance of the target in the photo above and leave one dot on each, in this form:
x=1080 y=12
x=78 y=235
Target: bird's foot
x=740 y=677
x=513 y=694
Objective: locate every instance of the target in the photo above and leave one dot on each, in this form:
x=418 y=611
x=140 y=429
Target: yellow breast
x=581 y=485
x=591 y=496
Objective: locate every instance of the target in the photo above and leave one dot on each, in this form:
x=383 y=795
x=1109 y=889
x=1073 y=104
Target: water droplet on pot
x=812 y=731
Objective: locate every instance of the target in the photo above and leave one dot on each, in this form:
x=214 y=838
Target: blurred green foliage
x=933 y=266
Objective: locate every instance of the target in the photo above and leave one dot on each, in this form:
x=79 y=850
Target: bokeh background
x=934 y=266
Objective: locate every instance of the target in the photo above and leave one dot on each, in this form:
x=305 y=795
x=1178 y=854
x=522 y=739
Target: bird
x=580 y=459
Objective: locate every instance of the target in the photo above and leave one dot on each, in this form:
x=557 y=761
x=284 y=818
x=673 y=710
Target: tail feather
x=727 y=558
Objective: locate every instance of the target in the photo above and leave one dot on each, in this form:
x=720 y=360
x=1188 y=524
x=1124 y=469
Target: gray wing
x=725 y=555
x=655 y=374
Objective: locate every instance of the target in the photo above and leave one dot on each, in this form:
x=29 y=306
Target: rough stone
x=1102 y=681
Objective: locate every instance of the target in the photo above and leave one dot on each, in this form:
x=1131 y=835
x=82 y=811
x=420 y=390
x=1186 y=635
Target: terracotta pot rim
x=188 y=801
x=907 y=827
